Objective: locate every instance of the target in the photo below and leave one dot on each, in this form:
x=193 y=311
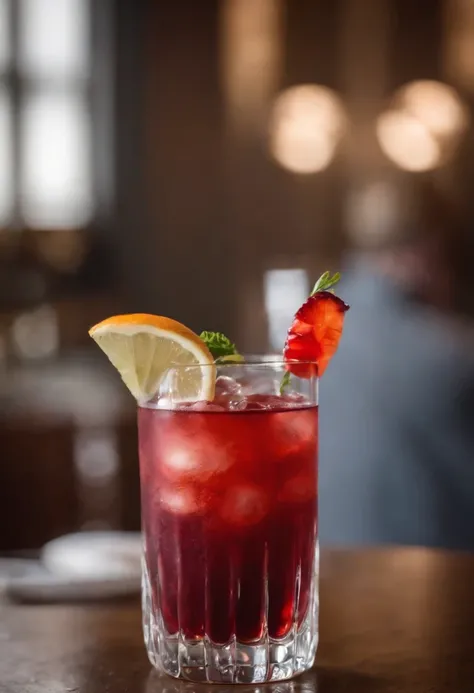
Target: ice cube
x=254 y=403
x=194 y=456
x=264 y=385
x=228 y=393
x=244 y=505
x=181 y=501
x=295 y=398
x=227 y=386
x=246 y=404
x=239 y=404
x=206 y=406
x=162 y=403
x=299 y=488
x=295 y=431
x=302 y=425
x=269 y=401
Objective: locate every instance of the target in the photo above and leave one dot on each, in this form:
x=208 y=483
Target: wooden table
x=392 y=621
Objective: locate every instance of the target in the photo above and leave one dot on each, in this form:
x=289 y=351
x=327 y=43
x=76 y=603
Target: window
x=45 y=114
x=283 y=290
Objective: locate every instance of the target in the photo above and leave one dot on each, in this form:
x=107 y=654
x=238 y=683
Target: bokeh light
x=35 y=333
x=436 y=105
x=423 y=125
x=407 y=142
x=306 y=126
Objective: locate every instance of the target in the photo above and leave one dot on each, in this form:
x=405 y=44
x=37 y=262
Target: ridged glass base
x=235 y=662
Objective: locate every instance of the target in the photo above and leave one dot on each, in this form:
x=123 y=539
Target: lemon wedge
x=144 y=347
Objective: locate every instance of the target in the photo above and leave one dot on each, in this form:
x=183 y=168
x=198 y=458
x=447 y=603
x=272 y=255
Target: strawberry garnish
x=316 y=330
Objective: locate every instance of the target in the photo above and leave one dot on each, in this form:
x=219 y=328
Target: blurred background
x=208 y=160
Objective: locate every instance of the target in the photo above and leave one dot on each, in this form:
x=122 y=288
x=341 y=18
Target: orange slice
x=144 y=347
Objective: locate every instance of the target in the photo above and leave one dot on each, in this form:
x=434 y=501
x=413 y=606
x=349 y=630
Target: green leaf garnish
x=325 y=282
x=285 y=381
x=231 y=358
x=220 y=346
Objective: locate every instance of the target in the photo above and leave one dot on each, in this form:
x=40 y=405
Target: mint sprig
x=220 y=346
x=326 y=282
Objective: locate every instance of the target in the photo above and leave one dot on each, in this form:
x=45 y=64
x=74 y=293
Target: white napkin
x=83 y=566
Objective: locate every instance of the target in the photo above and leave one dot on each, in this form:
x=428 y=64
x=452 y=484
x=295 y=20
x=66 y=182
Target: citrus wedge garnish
x=144 y=347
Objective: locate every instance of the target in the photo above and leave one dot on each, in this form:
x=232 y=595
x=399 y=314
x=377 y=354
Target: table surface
x=392 y=621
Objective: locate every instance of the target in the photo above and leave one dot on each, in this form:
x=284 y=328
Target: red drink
x=229 y=507
x=228 y=466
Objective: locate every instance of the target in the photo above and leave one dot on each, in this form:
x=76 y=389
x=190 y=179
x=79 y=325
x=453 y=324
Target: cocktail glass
x=229 y=516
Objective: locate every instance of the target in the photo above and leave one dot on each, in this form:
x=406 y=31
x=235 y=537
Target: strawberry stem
x=285 y=381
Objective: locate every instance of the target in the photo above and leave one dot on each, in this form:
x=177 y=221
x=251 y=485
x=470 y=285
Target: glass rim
x=270 y=363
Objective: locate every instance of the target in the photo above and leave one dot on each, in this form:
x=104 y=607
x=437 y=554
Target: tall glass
x=229 y=515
